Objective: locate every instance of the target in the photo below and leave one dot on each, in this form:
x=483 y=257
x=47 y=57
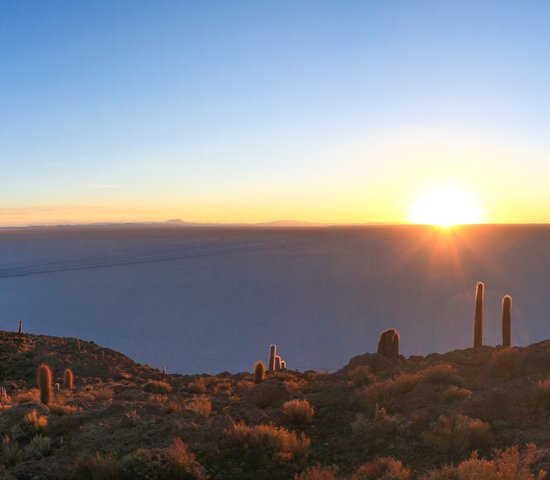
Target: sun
x=445 y=206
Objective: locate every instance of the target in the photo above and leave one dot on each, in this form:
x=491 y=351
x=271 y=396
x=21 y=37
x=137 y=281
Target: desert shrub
x=361 y=376
x=97 y=467
x=507 y=464
x=378 y=431
x=457 y=435
x=62 y=409
x=26 y=396
x=270 y=393
x=389 y=393
x=39 y=447
x=264 y=446
x=446 y=472
x=505 y=363
x=498 y=404
x=198 y=386
x=11 y=453
x=441 y=373
x=34 y=422
x=317 y=473
x=454 y=393
x=157 y=386
x=298 y=411
x=201 y=405
x=104 y=394
x=383 y=468
x=542 y=394
x=174 y=462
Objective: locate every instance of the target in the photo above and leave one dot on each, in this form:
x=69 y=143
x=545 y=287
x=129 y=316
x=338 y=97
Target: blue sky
x=252 y=111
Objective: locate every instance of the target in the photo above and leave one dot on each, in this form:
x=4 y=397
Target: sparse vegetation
x=298 y=411
x=385 y=468
x=456 y=435
x=157 y=386
x=377 y=418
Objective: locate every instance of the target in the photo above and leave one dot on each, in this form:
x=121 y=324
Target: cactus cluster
x=388 y=345
x=478 y=318
x=44 y=381
x=275 y=363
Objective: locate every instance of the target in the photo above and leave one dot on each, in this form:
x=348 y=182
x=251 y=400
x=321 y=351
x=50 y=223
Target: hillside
x=125 y=420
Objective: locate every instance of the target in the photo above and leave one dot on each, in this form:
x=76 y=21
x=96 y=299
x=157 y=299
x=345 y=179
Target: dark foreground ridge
x=377 y=418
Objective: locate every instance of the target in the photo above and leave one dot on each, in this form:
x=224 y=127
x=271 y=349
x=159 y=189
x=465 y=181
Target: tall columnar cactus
x=20 y=327
x=283 y=365
x=44 y=380
x=388 y=345
x=506 y=321
x=272 y=354
x=68 y=379
x=259 y=372
x=277 y=362
x=478 y=315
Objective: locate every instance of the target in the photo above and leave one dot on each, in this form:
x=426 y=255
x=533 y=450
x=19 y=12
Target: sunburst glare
x=446 y=207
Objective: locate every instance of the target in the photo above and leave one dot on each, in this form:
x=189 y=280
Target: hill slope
x=125 y=420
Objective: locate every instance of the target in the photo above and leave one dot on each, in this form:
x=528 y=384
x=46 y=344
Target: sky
x=246 y=111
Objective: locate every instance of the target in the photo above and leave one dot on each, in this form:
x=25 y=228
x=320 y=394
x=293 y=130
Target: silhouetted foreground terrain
x=374 y=419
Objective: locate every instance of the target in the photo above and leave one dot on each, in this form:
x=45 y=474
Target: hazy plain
x=213 y=299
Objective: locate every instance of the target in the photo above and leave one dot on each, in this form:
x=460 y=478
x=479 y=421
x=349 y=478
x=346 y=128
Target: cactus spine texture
x=506 y=321
x=388 y=345
x=259 y=372
x=44 y=380
x=478 y=315
x=68 y=379
x=272 y=354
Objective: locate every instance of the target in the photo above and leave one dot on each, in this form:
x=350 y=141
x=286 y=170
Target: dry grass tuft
x=542 y=393
x=317 y=473
x=201 y=405
x=442 y=373
x=386 y=468
x=26 y=396
x=361 y=376
x=457 y=435
x=157 y=386
x=298 y=411
x=37 y=423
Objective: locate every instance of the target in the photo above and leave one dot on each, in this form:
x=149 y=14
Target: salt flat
x=213 y=299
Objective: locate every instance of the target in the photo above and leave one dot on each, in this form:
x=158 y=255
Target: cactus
x=44 y=380
x=478 y=316
x=388 y=345
x=20 y=327
x=277 y=362
x=283 y=365
x=259 y=372
x=68 y=379
x=506 y=321
x=272 y=354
